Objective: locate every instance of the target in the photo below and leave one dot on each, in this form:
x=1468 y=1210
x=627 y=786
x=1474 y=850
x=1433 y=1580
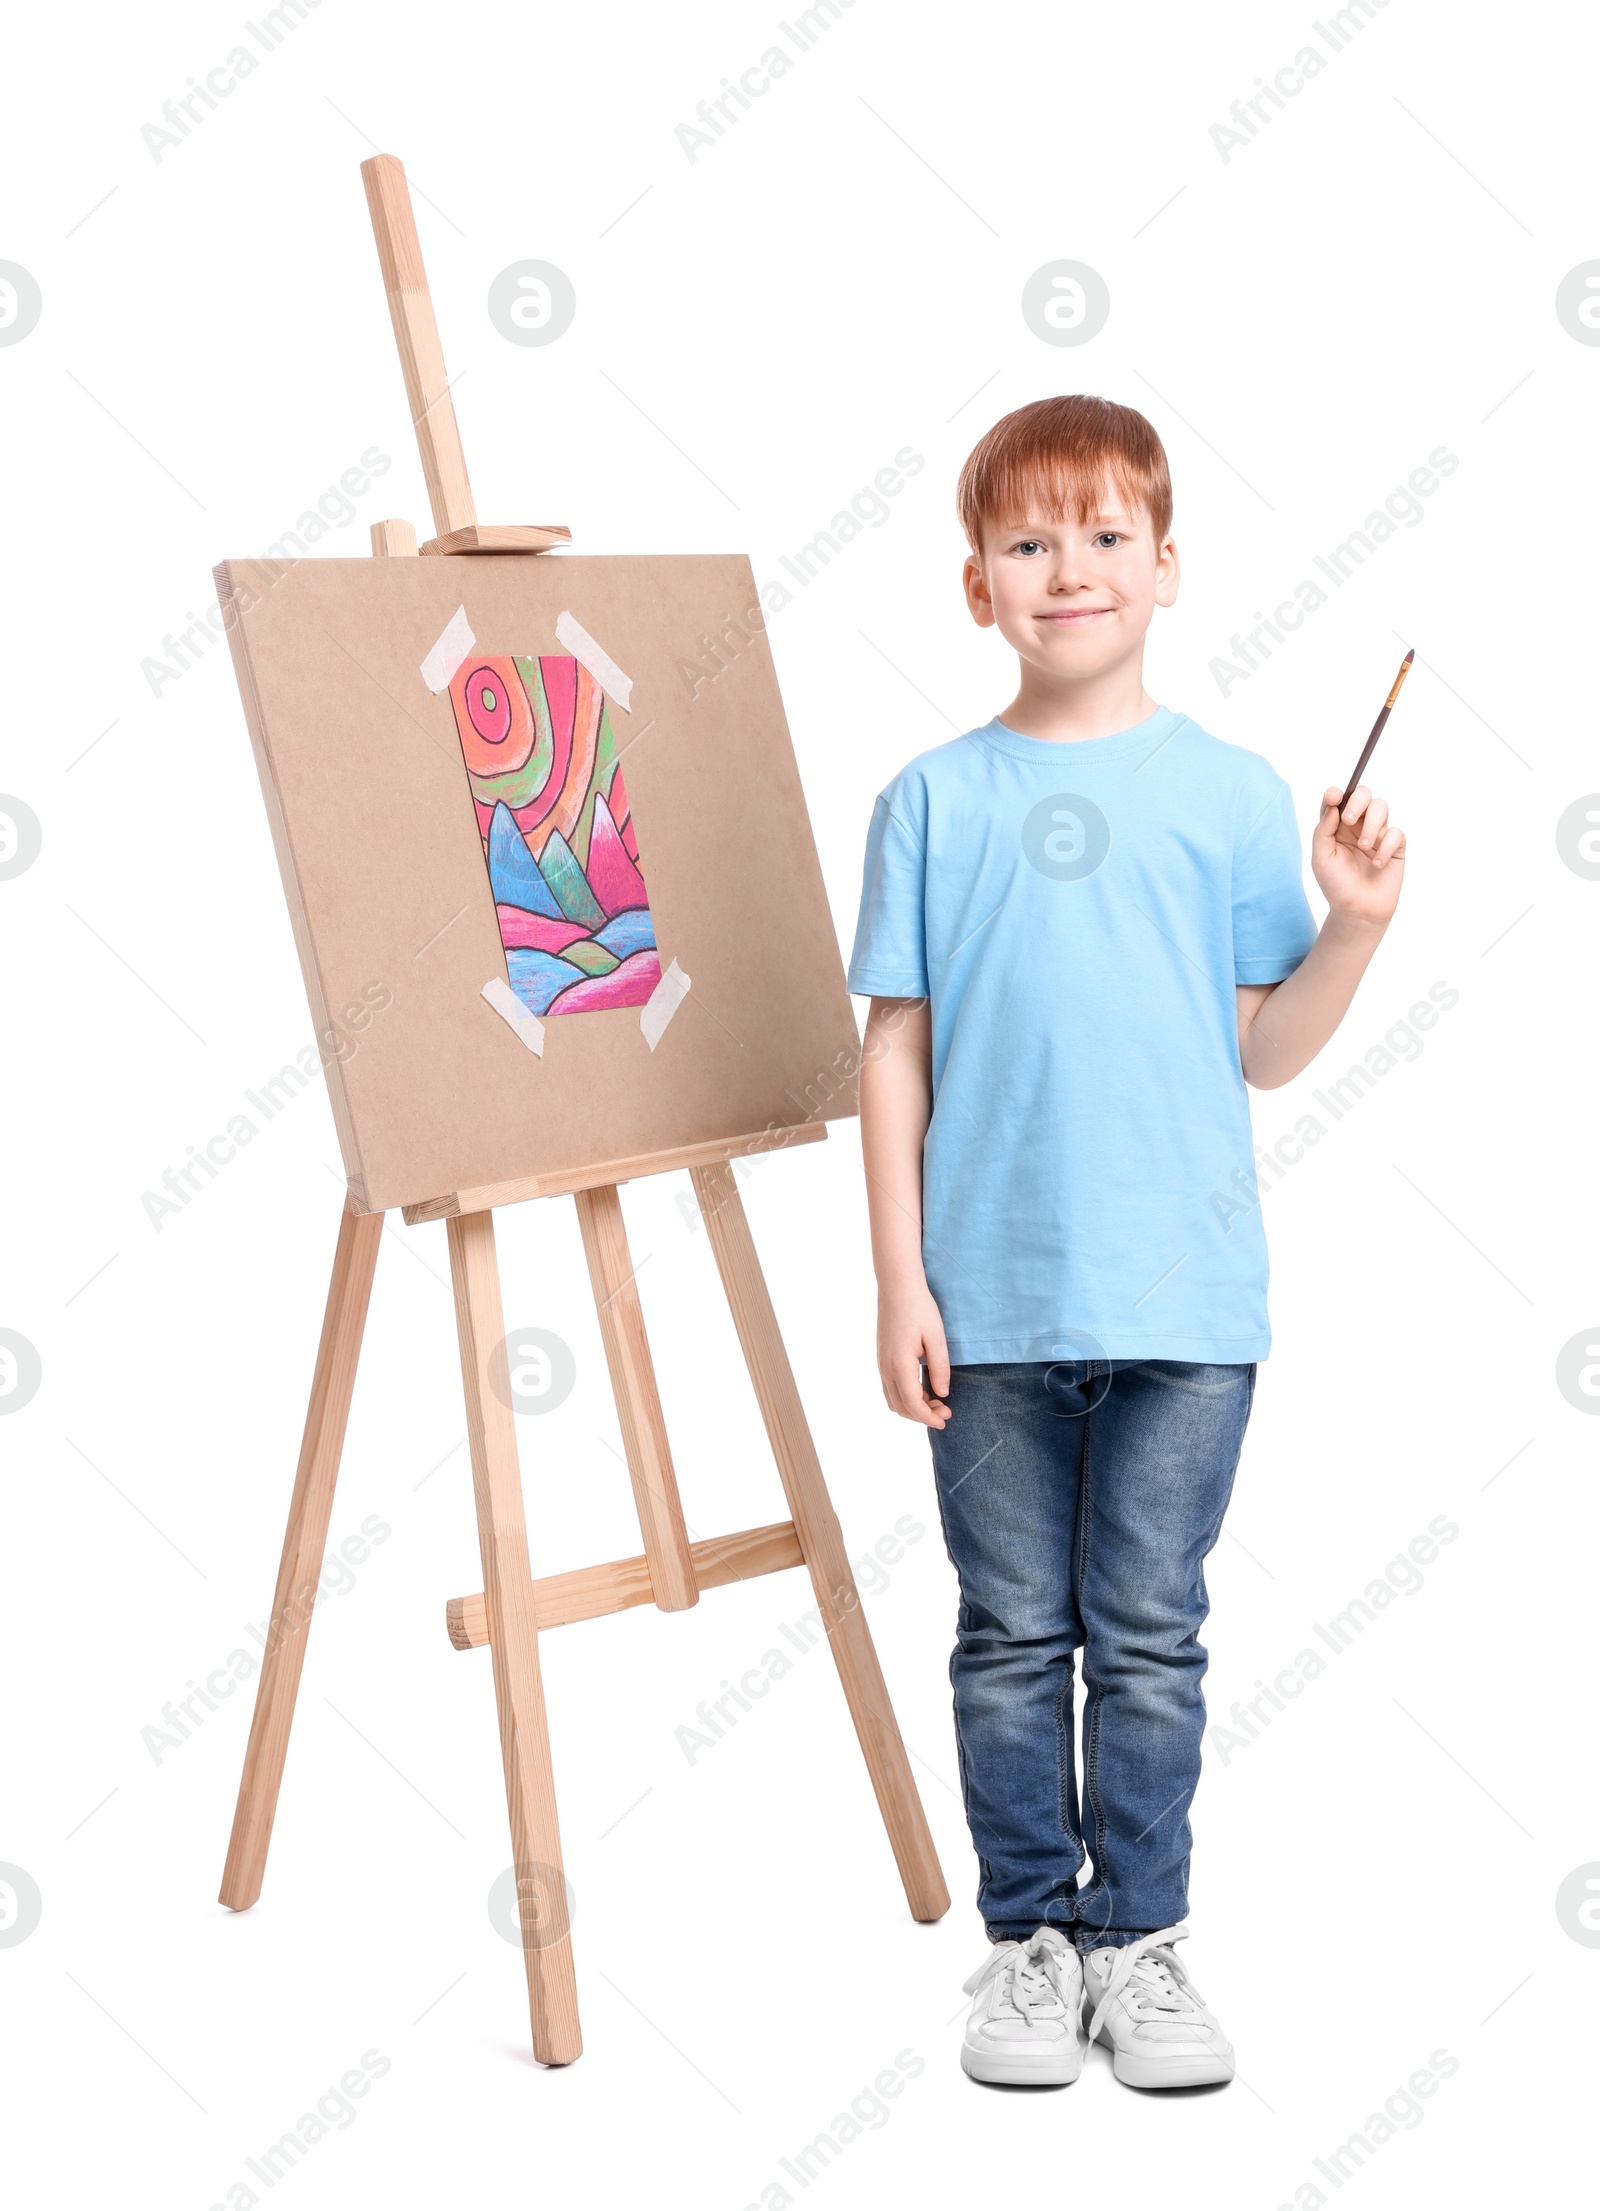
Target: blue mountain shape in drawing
x=513 y=871
x=633 y=931
x=538 y=977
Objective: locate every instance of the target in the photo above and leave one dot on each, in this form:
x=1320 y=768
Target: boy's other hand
x=909 y=1332
x=1358 y=857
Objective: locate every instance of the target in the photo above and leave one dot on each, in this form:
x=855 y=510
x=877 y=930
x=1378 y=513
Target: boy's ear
x=1167 y=573
x=979 y=603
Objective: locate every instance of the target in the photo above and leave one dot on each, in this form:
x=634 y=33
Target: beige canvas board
x=691 y=832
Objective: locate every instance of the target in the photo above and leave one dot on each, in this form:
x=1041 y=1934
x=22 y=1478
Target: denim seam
x=1063 y=1759
x=966 y=1789
x=963 y=1772
x=1205 y=1595
x=1092 y=1697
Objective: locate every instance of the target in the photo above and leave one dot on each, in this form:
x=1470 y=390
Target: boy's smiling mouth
x=1076 y=614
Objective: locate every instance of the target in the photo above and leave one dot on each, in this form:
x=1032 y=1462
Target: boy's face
x=1073 y=597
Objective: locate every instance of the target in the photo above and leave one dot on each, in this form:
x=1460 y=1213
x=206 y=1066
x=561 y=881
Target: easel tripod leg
x=514 y=1647
x=355 y=1257
x=633 y=1381
x=822 y=1541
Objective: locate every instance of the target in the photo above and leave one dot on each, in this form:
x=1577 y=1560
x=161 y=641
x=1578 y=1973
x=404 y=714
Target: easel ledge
x=484 y=1197
x=500 y=537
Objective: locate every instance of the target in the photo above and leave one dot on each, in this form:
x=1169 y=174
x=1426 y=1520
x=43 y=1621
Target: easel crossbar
x=559 y=1599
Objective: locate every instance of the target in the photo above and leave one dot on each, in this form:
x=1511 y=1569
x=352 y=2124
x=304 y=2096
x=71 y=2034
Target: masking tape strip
x=499 y=994
x=455 y=642
x=571 y=633
x=662 y=1003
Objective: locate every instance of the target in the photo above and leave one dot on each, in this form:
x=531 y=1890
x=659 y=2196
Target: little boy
x=1083 y=932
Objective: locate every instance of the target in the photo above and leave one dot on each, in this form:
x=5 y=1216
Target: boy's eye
x=1030 y=545
x=1105 y=539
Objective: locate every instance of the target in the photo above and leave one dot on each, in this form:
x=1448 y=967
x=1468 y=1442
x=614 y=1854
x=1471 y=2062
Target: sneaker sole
x=1018 y=2072
x=1188 y=2072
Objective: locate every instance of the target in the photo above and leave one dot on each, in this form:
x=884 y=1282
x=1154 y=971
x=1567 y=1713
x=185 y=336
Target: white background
x=758 y=332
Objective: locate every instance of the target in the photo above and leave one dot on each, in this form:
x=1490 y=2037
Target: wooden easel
x=672 y=1571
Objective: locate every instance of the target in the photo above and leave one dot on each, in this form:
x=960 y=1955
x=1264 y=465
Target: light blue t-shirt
x=1078 y=915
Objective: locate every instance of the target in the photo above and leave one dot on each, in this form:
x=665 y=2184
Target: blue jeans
x=1079 y=1500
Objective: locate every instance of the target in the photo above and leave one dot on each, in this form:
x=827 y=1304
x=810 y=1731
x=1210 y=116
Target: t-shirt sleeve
x=890 y=958
x=1272 y=925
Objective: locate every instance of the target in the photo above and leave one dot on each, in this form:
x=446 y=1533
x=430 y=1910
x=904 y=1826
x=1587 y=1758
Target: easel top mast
x=416 y=335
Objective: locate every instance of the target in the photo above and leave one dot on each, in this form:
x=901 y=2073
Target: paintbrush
x=1377 y=730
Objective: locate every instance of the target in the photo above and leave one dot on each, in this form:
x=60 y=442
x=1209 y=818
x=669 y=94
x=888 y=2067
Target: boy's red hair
x=1059 y=454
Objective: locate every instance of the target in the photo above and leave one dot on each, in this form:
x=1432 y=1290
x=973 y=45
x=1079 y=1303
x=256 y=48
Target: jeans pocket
x=1197 y=1379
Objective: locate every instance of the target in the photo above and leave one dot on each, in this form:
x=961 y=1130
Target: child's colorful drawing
x=558 y=836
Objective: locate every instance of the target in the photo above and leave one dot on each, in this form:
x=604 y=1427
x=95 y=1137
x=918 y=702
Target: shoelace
x=1149 y=1974
x=1033 y=1973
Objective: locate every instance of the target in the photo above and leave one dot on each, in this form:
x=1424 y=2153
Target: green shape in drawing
x=592 y=958
x=569 y=883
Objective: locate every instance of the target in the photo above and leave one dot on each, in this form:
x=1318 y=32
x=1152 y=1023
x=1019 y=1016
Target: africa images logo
x=1066 y=837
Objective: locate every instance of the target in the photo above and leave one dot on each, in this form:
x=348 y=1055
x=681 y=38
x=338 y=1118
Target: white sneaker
x=1140 y=2002
x=1024 y=2027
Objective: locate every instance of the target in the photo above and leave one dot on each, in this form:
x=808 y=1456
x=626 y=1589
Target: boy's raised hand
x=1358 y=857
x=909 y=1332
